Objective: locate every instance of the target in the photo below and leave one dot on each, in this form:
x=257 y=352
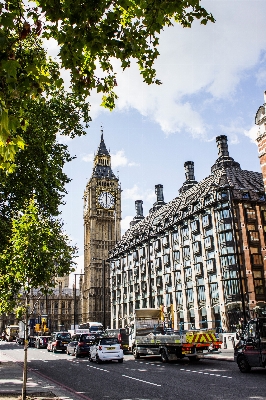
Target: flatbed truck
x=151 y=338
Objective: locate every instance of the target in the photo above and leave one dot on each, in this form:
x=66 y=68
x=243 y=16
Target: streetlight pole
x=75 y=299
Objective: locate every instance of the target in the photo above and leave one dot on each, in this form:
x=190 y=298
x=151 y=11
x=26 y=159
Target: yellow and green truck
x=149 y=337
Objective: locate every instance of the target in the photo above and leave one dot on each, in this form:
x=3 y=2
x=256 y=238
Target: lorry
x=36 y=329
x=11 y=332
x=151 y=337
x=250 y=351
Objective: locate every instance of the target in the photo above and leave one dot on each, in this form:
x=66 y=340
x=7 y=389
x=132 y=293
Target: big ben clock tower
x=102 y=216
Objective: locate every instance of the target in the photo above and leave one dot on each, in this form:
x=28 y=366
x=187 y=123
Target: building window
x=210 y=264
x=186 y=252
x=195 y=226
x=206 y=221
x=175 y=238
x=250 y=214
x=185 y=233
x=257 y=259
x=254 y=236
x=258 y=282
x=196 y=247
x=198 y=269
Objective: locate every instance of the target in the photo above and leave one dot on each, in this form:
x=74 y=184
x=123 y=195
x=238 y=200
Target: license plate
x=110 y=348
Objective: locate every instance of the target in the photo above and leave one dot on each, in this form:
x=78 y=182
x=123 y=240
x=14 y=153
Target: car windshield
x=108 y=341
x=63 y=336
x=96 y=328
x=87 y=338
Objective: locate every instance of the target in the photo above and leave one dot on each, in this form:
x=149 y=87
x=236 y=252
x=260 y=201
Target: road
x=144 y=379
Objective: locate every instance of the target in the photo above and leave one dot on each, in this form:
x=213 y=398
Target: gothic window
x=175 y=236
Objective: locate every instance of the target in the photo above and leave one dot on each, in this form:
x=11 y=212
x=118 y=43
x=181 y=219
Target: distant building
x=199 y=257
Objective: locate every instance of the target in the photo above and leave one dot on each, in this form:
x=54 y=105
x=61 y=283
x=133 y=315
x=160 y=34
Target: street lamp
x=75 y=296
x=103 y=285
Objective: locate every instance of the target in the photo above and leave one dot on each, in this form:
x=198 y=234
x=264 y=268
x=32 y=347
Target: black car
x=41 y=342
x=59 y=341
x=83 y=343
x=122 y=335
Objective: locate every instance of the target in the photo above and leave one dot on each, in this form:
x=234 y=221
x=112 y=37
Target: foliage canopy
x=89 y=34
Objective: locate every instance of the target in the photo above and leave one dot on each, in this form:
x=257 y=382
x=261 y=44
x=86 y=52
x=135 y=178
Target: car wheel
x=243 y=365
x=48 y=350
x=38 y=345
x=135 y=353
x=98 y=360
x=76 y=354
x=90 y=359
x=164 y=356
x=120 y=360
x=53 y=349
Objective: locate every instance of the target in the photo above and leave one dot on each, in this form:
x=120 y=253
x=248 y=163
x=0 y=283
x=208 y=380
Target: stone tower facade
x=260 y=120
x=102 y=220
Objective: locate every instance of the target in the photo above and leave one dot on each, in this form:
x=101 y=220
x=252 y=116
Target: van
x=122 y=334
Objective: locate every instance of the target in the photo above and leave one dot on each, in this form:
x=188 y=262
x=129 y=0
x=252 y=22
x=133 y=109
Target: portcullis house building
x=200 y=257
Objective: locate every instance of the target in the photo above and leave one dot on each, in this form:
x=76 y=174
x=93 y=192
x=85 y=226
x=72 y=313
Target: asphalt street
x=144 y=379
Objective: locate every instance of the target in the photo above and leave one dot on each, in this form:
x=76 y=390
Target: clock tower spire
x=102 y=218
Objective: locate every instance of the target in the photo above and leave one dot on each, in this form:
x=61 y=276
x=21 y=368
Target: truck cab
x=250 y=351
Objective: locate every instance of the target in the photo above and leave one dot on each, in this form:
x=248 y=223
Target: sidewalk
x=38 y=388
x=222 y=355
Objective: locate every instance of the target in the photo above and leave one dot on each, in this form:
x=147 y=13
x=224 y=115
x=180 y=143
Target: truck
x=151 y=337
x=250 y=351
x=11 y=332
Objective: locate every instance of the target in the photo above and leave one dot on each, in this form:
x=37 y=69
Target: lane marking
x=100 y=369
x=141 y=380
x=205 y=373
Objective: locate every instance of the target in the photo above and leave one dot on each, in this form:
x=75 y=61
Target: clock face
x=106 y=200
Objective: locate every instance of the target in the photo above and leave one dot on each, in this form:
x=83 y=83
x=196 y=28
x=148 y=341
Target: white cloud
x=125 y=223
x=209 y=61
x=88 y=157
x=252 y=133
x=135 y=193
x=197 y=66
x=119 y=159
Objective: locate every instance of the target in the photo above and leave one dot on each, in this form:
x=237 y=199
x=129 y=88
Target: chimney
x=189 y=170
x=139 y=208
x=222 y=146
x=159 y=193
x=139 y=213
x=190 y=177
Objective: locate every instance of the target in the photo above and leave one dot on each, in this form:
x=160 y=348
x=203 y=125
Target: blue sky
x=213 y=78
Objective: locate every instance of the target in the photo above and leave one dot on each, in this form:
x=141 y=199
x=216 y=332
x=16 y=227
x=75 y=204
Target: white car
x=106 y=349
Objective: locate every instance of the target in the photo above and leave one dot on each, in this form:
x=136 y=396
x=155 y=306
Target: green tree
x=37 y=252
x=89 y=34
x=38 y=169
